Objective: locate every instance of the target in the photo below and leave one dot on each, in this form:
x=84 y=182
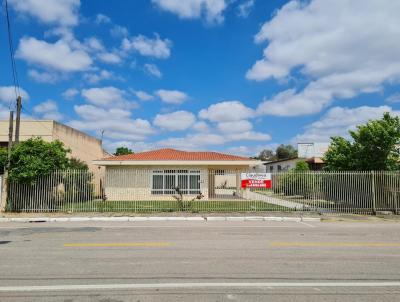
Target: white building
x=312 y=153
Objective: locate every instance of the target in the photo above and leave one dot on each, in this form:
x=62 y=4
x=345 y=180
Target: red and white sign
x=256 y=180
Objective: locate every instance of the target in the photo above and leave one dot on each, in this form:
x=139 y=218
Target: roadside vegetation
x=171 y=206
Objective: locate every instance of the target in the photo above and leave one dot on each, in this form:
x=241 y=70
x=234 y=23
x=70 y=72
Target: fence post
x=373 y=193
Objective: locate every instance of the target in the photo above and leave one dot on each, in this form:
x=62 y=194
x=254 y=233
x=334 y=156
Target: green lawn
x=171 y=206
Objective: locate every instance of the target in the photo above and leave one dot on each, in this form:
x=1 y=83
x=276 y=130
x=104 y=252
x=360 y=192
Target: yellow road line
x=133 y=244
x=335 y=244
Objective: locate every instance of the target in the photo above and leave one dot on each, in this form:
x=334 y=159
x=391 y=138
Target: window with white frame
x=164 y=182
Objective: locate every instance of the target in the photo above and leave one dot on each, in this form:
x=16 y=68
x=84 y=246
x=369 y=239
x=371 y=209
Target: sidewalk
x=159 y=218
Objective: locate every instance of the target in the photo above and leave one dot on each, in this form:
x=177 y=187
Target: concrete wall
x=28 y=129
x=83 y=146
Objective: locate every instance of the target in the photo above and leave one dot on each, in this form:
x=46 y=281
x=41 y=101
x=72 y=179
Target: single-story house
x=315 y=164
x=154 y=175
x=312 y=153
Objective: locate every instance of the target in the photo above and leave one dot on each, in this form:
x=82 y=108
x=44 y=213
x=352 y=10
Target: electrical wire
x=12 y=56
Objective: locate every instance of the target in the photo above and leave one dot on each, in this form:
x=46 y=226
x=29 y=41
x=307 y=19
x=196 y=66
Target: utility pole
x=4 y=186
x=18 y=119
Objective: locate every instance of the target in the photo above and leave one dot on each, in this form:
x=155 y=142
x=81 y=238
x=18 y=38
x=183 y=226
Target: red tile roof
x=172 y=154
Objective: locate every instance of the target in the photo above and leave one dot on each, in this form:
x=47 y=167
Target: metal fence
x=207 y=190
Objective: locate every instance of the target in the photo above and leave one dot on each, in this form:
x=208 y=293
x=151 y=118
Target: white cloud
x=102 y=19
x=94 y=44
x=394 y=98
x=118 y=31
x=48 y=110
x=60 y=12
x=212 y=10
x=244 y=9
x=7 y=94
x=227 y=111
x=339 y=120
x=42 y=77
x=94 y=78
x=116 y=123
x=178 y=120
x=135 y=146
x=153 y=70
x=171 y=96
x=70 y=93
x=143 y=95
x=109 y=57
x=58 y=56
x=156 y=47
x=204 y=140
x=249 y=136
x=201 y=126
x=198 y=141
x=235 y=126
x=4 y=112
x=108 y=97
x=344 y=47
x=251 y=150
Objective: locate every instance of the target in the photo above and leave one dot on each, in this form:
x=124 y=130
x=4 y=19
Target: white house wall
x=135 y=183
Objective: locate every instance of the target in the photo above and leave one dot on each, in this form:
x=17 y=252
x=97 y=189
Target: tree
x=285 y=152
x=35 y=157
x=374 y=146
x=123 y=151
x=266 y=154
x=77 y=164
x=3 y=159
x=301 y=166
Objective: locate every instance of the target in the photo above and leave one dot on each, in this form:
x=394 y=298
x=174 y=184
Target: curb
x=160 y=218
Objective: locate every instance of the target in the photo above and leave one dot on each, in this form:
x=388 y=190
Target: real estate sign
x=256 y=180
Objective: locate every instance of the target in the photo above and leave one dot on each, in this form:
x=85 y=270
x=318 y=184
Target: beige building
x=154 y=175
x=83 y=146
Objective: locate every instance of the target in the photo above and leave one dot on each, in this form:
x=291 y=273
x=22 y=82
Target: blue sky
x=235 y=76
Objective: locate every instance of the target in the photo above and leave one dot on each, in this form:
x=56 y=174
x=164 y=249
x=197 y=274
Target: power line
x=12 y=51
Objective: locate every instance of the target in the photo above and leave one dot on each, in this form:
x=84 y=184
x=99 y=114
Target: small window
x=271 y=169
x=279 y=168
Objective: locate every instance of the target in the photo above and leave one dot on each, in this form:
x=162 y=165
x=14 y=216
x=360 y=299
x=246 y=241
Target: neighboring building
x=153 y=175
x=83 y=146
x=309 y=150
x=312 y=153
x=281 y=165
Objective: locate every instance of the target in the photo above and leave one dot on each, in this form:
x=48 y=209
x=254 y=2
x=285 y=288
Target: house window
x=279 y=168
x=271 y=169
x=164 y=182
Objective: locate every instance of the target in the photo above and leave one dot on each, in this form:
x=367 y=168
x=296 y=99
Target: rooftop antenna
x=102 y=135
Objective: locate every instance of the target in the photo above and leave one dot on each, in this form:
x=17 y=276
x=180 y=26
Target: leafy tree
x=285 y=152
x=3 y=159
x=374 y=146
x=266 y=154
x=301 y=166
x=123 y=151
x=35 y=157
x=77 y=164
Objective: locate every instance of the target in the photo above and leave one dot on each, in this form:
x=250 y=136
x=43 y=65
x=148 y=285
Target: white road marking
x=193 y=285
x=307 y=224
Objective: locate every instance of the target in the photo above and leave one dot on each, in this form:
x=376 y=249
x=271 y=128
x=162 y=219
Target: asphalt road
x=200 y=261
